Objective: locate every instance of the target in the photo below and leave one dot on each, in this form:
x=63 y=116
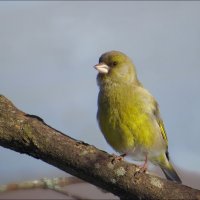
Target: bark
x=29 y=134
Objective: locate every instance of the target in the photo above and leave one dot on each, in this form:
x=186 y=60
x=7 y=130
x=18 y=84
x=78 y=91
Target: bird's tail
x=170 y=173
x=168 y=169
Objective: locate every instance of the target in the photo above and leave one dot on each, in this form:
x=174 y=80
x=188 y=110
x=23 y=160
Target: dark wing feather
x=160 y=122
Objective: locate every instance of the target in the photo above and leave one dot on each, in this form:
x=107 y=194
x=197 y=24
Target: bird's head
x=115 y=66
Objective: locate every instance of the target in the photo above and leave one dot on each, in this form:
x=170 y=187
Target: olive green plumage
x=128 y=114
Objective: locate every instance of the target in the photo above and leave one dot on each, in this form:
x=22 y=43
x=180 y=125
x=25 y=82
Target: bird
x=128 y=115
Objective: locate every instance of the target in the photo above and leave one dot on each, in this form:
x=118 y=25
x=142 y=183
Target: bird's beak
x=102 y=68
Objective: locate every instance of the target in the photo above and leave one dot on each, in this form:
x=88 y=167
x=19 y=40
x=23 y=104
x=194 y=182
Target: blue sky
x=48 y=50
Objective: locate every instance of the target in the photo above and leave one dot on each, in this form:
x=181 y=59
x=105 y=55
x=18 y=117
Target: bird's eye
x=114 y=63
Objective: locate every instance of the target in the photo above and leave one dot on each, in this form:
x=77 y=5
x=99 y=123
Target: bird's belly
x=128 y=129
x=139 y=153
x=135 y=143
x=116 y=132
x=121 y=140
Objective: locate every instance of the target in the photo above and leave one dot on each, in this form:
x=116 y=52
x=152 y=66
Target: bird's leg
x=143 y=168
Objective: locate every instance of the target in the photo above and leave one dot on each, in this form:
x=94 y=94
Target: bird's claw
x=142 y=168
x=117 y=158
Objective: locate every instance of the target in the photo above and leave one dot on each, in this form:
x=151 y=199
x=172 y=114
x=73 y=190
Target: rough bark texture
x=29 y=134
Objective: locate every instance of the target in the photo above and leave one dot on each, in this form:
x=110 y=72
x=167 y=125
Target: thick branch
x=29 y=134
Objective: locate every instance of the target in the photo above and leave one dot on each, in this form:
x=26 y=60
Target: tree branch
x=29 y=134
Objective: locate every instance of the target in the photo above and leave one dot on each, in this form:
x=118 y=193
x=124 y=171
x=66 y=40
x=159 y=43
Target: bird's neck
x=109 y=83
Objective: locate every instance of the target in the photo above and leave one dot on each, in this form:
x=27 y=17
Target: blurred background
x=47 y=53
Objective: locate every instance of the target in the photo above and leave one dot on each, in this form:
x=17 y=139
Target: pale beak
x=102 y=68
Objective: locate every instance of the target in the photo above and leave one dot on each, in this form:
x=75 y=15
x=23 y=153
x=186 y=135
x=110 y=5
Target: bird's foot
x=143 y=167
x=118 y=158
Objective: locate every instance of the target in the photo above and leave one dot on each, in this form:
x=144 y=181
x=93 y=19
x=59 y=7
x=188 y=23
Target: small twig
x=44 y=183
x=69 y=194
x=54 y=184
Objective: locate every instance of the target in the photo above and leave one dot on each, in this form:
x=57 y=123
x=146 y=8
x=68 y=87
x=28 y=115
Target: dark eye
x=114 y=63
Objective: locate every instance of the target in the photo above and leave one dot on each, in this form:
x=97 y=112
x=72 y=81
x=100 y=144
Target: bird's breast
x=114 y=119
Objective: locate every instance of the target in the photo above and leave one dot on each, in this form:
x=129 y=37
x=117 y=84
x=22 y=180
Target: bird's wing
x=160 y=122
x=153 y=109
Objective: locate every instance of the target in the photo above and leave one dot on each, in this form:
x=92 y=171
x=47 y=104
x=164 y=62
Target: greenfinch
x=128 y=115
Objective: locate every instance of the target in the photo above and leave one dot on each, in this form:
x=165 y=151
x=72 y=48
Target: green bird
x=128 y=115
